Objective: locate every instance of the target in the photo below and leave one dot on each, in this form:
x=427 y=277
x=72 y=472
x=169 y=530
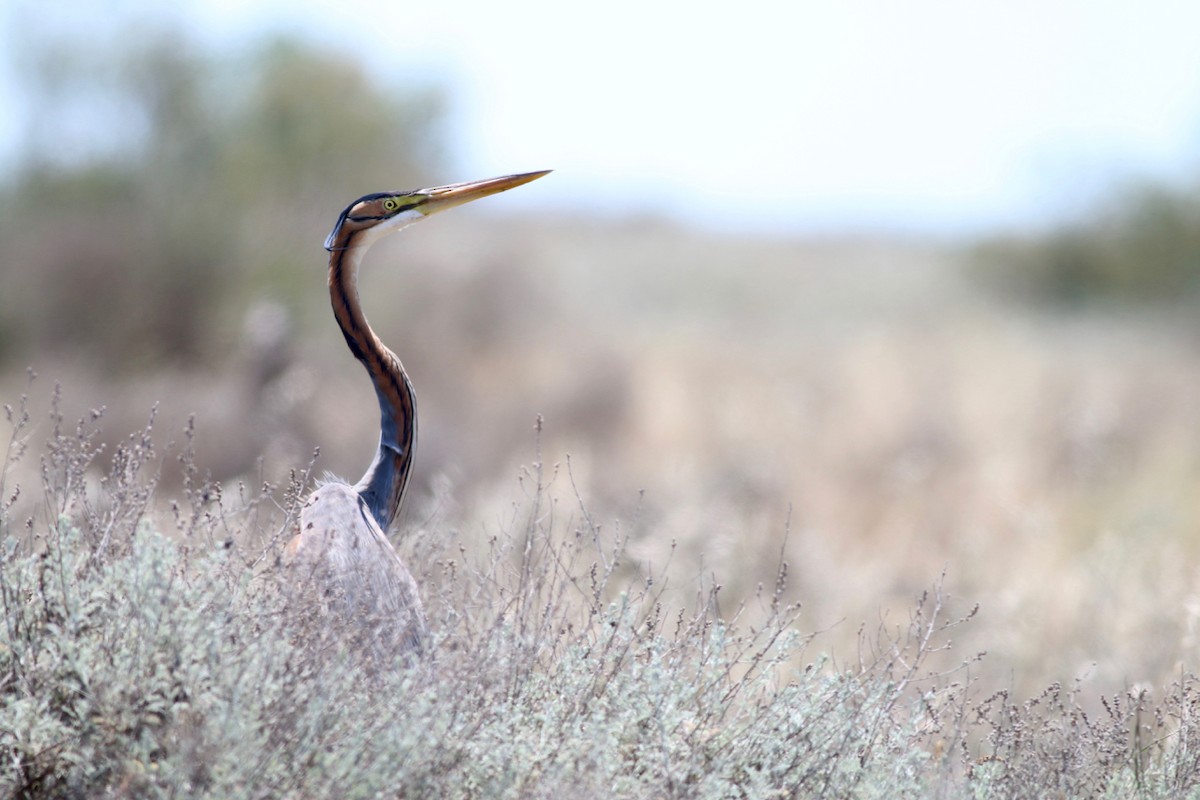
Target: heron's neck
x=383 y=485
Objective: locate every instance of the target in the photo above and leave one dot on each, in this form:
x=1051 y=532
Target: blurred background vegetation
x=1140 y=246
x=1019 y=411
x=205 y=201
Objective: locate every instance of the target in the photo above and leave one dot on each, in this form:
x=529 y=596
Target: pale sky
x=935 y=116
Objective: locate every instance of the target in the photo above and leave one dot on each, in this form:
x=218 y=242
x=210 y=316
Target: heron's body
x=341 y=553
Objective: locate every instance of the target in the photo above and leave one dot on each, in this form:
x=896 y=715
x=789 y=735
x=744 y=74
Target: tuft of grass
x=150 y=652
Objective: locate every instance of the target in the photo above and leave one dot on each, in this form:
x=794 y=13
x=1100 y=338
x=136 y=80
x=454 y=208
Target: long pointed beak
x=440 y=198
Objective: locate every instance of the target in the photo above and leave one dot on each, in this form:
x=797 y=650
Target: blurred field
x=855 y=403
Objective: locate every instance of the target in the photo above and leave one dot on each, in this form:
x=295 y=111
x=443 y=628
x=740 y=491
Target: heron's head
x=373 y=216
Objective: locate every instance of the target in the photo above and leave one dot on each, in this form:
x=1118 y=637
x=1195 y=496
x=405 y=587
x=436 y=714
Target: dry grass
x=134 y=664
x=138 y=664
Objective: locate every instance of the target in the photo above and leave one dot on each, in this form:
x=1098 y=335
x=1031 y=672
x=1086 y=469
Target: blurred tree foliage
x=202 y=184
x=1142 y=247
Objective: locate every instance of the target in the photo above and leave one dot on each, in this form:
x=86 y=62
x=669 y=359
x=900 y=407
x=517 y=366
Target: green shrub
x=1144 y=247
x=205 y=199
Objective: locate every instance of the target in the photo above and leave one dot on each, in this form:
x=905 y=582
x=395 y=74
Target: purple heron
x=342 y=545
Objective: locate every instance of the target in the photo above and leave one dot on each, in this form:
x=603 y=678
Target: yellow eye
x=391 y=204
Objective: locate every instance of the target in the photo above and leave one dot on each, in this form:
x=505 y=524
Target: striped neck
x=382 y=487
